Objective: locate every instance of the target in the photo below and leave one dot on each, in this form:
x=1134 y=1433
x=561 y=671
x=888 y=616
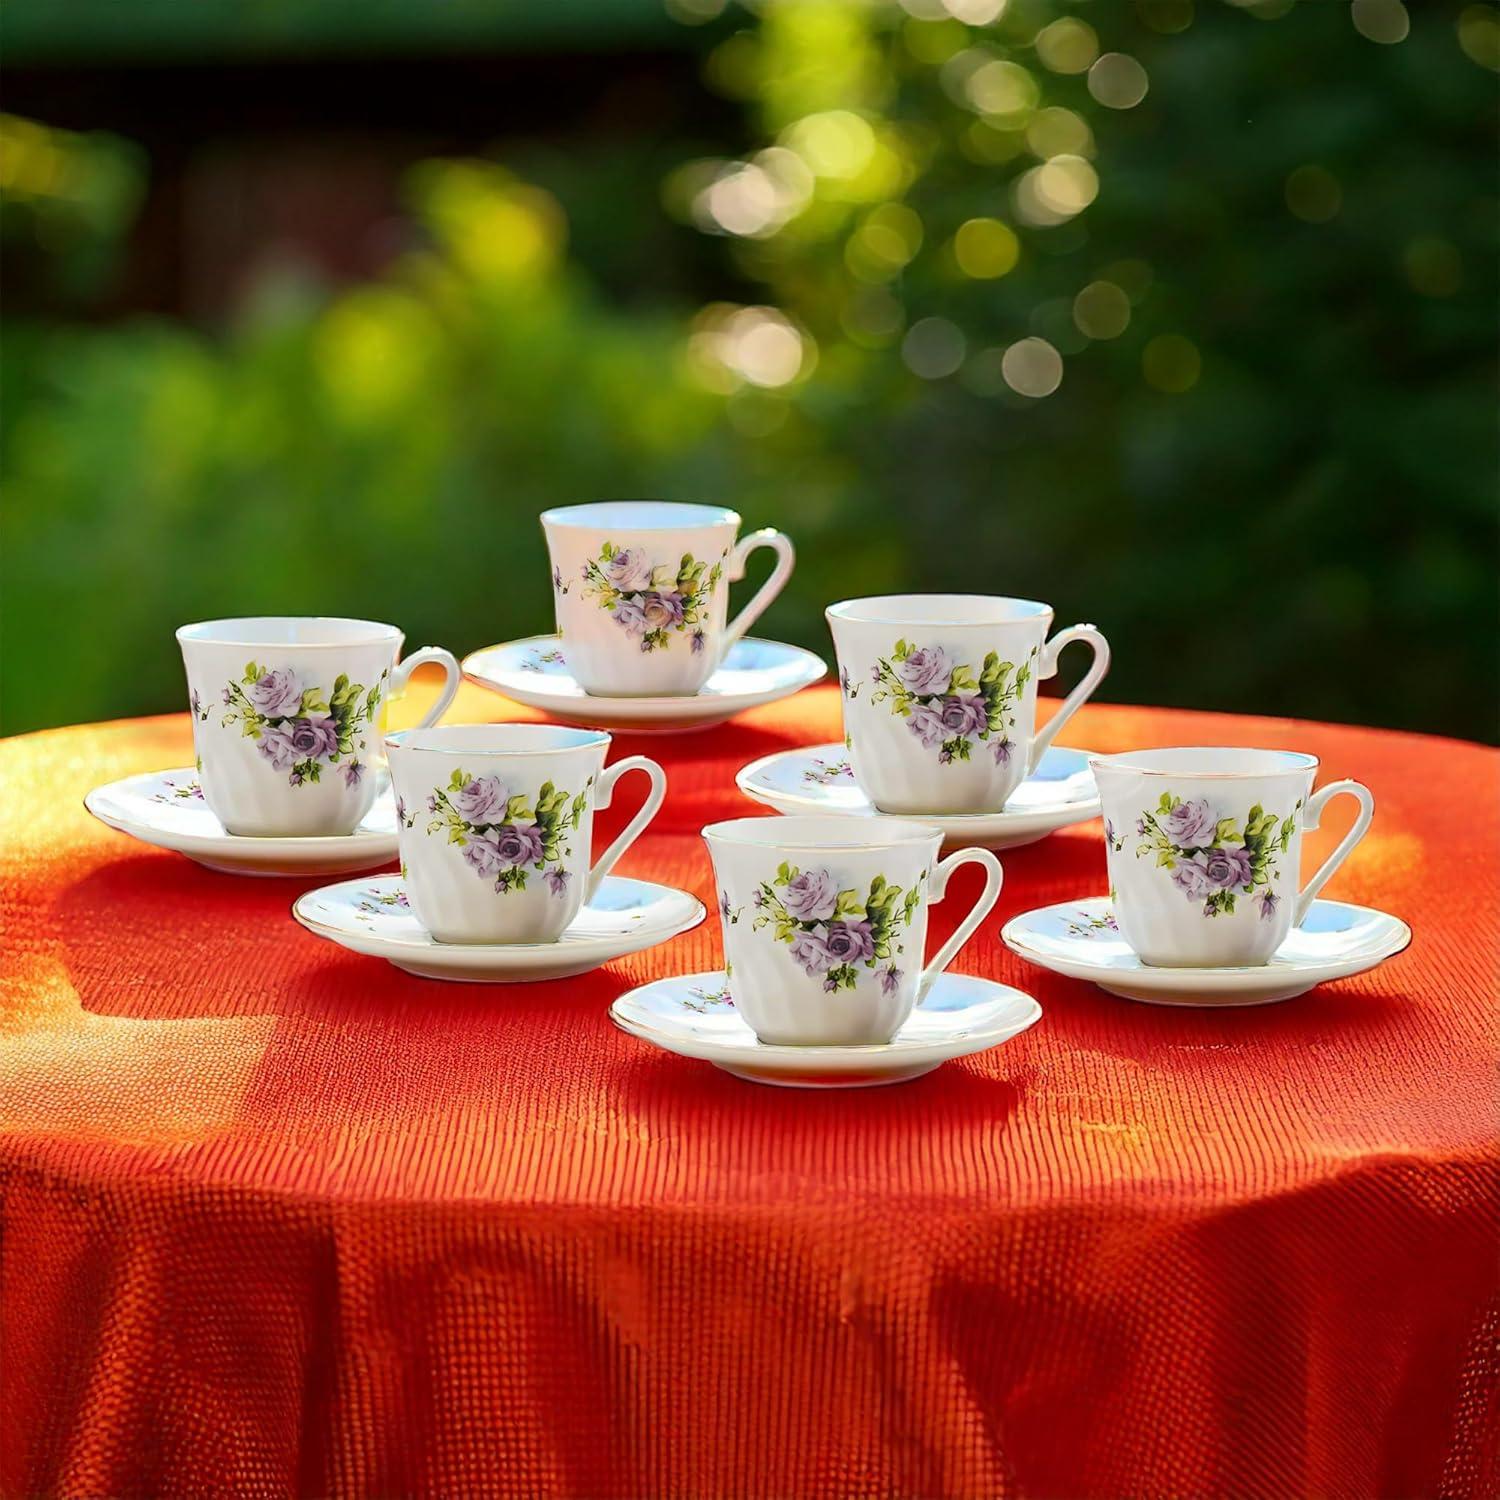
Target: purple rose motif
x=845 y=685
x=965 y=715
x=850 y=942
x=890 y=980
x=276 y=695
x=432 y=804
x=661 y=611
x=811 y=951
x=353 y=773
x=927 y=724
x=557 y=880
x=1001 y=751
x=1190 y=825
x=630 y=616
x=811 y=897
x=313 y=738
x=1190 y=878
x=1268 y=901
x=482 y=800
x=227 y=696
x=629 y=570
x=925 y=671
x=503 y=848
x=1225 y=867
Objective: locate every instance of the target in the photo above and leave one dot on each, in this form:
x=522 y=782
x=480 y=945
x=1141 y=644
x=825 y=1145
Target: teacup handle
x=453 y=676
x=937 y=888
x=1312 y=812
x=604 y=793
x=734 y=570
x=1047 y=667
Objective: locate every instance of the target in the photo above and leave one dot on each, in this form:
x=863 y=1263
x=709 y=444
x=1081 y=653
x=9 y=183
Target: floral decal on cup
x=651 y=601
x=503 y=836
x=836 y=933
x=297 y=726
x=1211 y=859
x=946 y=705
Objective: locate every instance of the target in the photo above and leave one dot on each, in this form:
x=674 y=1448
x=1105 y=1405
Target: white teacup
x=939 y=694
x=287 y=717
x=1205 y=846
x=642 y=591
x=496 y=825
x=825 y=924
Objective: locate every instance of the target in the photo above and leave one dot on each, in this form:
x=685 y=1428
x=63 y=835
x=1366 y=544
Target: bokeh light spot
x=1171 y=363
x=1102 y=310
x=836 y=143
x=1313 y=194
x=1384 y=21
x=1059 y=132
x=1166 y=16
x=933 y=348
x=986 y=248
x=975 y=12
x=1118 y=81
x=1433 y=266
x=1053 y=192
x=1068 y=45
x=1479 y=35
x=1032 y=367
x=1002 y=91
x=873 y=318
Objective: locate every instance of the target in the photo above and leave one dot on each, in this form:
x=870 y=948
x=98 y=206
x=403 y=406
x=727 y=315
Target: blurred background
x=1181 y=316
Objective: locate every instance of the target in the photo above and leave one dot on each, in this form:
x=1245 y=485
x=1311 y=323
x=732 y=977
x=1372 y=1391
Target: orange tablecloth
x=280 y=1218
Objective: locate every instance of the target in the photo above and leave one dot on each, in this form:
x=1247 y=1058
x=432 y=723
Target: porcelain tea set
x=824 y=909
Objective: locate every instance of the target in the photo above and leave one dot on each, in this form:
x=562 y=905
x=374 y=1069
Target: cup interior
x=497 y=739
x=639 y=515
x=814 y=834
x=938 y=609
x=270 y=631
x=1206 y=760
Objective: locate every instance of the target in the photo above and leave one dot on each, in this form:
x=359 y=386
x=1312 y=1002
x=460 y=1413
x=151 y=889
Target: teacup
x=825 y=924
x=642 y=591
x=939 y=694
x=287 y=717
x=1204 y=847
x=496 y=825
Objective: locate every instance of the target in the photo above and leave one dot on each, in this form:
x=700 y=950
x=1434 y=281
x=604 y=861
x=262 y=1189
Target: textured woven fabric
x=278 y=1218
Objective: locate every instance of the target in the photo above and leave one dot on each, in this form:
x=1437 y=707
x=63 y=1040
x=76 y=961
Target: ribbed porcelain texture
x=782 y=1002
x=892 y=765
x=604 y=656
x=449 y=896
x=247 y=793
x=1163 y=923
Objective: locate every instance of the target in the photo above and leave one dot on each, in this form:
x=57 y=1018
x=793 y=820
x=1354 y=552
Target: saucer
x=694 y=1016
x=1079 y=939
x=166 y=808
x=371 y=916
x=818 y=779
x=753 y=672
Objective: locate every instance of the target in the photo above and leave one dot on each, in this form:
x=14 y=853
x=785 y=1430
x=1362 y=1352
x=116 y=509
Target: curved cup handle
x=604 y=792
x=734 y=570
x=1047 y=667
x=937 y=889
x=1311 y=814
x=449 y=664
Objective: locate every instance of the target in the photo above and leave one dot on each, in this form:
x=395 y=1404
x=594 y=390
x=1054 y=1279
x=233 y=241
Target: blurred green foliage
x=1179 y=317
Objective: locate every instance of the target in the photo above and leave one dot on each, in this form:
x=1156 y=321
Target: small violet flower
x=353 y=773
x=557 y=880
x=1268 y=901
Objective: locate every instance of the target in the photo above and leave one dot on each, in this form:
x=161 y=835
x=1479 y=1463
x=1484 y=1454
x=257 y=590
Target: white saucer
x=818 y=779
x=533 y=672
x=693 y=1016
x=1079 y=939
x=371 y=916
x=166 y=808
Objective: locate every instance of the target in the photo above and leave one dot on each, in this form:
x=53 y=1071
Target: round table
x=282 y=1219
